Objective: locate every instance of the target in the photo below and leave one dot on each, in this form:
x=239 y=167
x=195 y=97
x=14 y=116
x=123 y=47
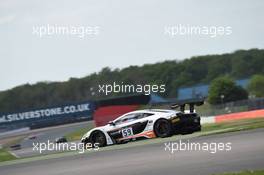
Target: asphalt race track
x=45 y=134
x=53 y=133
x=247 y=153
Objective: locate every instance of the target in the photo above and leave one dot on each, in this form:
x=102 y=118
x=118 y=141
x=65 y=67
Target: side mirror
x=111 y=123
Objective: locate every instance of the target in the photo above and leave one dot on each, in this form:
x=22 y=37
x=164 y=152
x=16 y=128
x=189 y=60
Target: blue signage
x=84 y=109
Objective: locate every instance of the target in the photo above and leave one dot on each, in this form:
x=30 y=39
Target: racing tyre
x=163 y=128
x=98 y=138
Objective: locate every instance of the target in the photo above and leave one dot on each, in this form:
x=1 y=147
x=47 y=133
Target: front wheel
x=163 y=128
x=98 y=138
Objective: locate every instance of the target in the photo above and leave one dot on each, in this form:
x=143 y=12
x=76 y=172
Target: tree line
x=174 y=74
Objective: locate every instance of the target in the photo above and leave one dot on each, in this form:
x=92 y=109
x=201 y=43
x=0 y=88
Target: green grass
x=76 y=135
x=5 y=155
x=259 y=172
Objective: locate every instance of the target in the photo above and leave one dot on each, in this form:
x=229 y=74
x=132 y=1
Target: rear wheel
x=163 y=128
x=98 y=137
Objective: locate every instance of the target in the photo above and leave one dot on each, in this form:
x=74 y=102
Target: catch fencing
x=231 y=107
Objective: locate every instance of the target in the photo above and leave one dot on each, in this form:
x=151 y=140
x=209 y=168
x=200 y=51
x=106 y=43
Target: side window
x=143 y=115
x=146 y=115
x=125 y=118
x=131 y=117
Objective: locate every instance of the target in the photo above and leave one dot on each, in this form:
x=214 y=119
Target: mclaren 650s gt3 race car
x=149 y=123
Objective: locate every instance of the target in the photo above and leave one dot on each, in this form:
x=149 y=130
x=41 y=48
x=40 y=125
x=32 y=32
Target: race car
x=149 y=123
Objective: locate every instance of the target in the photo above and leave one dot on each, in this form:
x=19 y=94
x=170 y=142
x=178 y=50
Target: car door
x=128 y=125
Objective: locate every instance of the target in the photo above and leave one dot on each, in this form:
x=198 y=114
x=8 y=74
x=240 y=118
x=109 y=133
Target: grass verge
x=5 y=155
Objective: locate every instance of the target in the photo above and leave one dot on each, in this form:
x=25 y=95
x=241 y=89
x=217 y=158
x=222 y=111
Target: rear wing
x=191 y=103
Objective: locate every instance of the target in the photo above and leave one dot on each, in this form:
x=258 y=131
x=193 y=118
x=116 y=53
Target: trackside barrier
x=210 y=119
x=240 y=115
x=233 y=116
x=107 y=113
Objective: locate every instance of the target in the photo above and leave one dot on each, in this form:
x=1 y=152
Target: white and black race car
x=149 y=123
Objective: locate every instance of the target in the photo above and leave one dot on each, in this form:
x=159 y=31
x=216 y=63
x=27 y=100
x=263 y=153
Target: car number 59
x=127 y=132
